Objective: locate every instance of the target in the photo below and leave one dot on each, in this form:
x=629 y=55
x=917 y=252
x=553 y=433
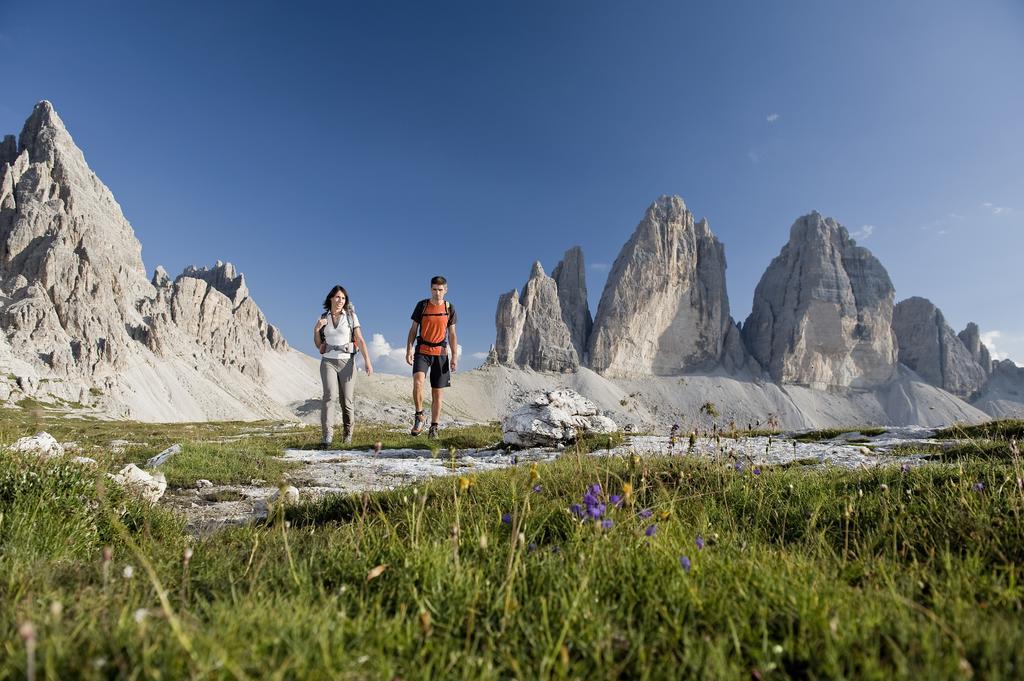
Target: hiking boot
x=348 y=438
x=432 y=433
x=417 y=424
x=326 y=440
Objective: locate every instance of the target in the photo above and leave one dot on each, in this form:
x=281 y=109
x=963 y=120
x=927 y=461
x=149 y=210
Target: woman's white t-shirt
x=340 y=334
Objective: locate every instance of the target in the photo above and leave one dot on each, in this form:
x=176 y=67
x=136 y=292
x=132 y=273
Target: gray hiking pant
x=339 y=380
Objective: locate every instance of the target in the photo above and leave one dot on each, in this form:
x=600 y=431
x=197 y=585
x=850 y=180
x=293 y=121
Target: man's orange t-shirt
x=434 y=321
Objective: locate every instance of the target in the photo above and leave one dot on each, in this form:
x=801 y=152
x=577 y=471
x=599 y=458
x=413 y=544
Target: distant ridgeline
x=81 y=321
x=822 y=317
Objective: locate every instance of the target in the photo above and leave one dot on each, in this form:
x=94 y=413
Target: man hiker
x=433 y=332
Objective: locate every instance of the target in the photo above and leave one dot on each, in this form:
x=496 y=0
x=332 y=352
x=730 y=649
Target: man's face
x=437 y=291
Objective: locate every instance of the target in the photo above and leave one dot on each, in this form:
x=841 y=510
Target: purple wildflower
x=700 y=543
x=651 y=530
x=757 y=471
x=684 y=561
x=645 y=513
x=595 y=489
x=506 y=518
x=978 y=487
x=738 y=466
x=606 y=524
x=596 y=511
x=576 y=510
x=616 y=500
x=537 y=489
x=532 y=547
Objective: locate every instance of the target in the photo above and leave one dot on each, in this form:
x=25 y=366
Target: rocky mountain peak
x=570 y=277
x=44 y=134
x=531 y=332
x=75 y=303
x=222 y=277
x=929 y=346
x=971 y=338
x=822 y=311
x=664 y=308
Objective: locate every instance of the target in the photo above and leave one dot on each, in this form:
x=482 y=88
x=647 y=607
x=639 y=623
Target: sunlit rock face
x=822 y=312
x=531 y=332
x=664 y=309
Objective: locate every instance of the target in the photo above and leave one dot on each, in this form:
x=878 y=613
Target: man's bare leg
x=436 y=396
x=417 y=400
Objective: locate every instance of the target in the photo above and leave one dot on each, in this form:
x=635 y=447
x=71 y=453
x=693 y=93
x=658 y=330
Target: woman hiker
x=337 y=336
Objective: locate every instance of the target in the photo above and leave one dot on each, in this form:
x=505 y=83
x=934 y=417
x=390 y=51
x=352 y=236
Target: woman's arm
x=358 y=335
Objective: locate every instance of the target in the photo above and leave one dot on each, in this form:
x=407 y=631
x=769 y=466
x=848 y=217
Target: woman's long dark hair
x=348 y=301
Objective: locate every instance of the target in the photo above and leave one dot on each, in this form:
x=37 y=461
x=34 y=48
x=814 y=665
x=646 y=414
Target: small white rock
x=138 y=481
x=202 y=483
x=289 y=494
x=43 y=444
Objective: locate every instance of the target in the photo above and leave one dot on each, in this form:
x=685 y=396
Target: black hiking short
x=437 y=365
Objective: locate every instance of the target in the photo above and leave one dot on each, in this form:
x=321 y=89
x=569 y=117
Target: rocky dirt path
x=351 y=471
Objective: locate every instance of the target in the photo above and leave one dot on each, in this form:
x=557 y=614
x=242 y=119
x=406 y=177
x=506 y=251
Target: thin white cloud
x=772 y=117
x=1014 y=344
x=599 y=266
x=479 y=355
x=994 y=209
x=989 y=338
x=864 y=232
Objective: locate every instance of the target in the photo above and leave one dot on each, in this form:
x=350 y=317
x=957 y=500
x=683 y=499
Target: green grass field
x=702 y=572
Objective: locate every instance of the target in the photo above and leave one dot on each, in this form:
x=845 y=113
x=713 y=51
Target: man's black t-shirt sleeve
x=417 y=313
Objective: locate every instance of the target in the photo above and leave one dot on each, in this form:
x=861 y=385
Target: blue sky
x=375 y=144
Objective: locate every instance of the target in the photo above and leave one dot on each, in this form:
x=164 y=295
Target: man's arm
x=453 y=344
x=409 y=343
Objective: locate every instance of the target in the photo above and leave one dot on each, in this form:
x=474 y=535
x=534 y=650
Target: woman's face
x=338 y=301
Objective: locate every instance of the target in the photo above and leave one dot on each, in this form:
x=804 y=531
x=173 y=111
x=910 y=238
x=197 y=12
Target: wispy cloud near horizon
x=772 y=117
x=864 y=232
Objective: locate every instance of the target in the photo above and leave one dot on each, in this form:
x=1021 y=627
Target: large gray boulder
x=822 y=312
x=664 y=309
x=553 y=418
x=570 y=277
x=929 y=346
x=531 y=332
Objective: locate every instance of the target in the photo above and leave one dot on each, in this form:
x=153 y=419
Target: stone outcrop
x=570 y=277
x=664 y=309
x=531 y=332
x=929 y=346
x=42 y=444
x=553 y=418
x=79 y=314
x=147 y=486
x=822 y=312
x=971 y=338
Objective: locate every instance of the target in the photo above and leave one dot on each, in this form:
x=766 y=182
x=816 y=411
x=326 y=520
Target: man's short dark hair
x=439 y=281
